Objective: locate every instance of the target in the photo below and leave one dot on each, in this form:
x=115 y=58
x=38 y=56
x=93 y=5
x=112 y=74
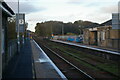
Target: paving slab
x=32 y=63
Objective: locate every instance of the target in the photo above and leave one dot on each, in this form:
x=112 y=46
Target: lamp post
x=51 y=30
x=80 y=29
x=26 y=24
x=0 y=41
x=62 y=30
x=18 y=33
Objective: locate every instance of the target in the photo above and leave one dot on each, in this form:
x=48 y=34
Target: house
x=5 y=12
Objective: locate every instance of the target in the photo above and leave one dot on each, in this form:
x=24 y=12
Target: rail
x=70 y=64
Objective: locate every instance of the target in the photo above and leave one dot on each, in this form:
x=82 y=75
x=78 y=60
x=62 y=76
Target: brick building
x=104 y=36
x=90 y=36
x=107 y=35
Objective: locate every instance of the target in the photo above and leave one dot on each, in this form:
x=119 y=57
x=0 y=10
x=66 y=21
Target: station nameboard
x=21 y=23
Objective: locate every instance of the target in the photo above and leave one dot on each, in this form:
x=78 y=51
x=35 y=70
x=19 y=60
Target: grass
x=110 y=68
x=107 y=65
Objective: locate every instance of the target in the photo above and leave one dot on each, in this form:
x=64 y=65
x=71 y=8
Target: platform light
x=18 y=33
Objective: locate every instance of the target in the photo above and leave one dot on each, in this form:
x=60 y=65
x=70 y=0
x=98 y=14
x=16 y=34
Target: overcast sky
x=65 y=10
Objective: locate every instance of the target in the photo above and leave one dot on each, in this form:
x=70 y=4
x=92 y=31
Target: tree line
x=46 y=29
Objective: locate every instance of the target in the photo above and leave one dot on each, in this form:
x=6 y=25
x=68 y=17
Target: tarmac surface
x=31 y=63
x=20 y=66
x=44 y=67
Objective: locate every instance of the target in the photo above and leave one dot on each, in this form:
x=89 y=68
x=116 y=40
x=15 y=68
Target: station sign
x=21 y=22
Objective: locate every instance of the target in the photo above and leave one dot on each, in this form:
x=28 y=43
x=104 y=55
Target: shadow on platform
x=20 y=66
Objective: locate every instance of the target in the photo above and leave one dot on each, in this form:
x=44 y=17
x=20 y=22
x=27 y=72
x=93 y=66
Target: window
x=103 y=35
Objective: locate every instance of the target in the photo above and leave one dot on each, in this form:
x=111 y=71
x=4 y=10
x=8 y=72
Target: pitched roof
x=109 y=22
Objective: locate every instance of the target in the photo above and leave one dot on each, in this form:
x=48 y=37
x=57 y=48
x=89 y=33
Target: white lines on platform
x=42 y=60
x=49 y=60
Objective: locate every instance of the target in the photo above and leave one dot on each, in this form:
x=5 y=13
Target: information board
x=21 y=23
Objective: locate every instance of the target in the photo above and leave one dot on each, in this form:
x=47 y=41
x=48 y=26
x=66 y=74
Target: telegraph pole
x=51 y=30
x=18 y=33
x=62 y=29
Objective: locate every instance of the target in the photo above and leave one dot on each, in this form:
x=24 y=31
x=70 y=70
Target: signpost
x=20 y=27
x=21 y=22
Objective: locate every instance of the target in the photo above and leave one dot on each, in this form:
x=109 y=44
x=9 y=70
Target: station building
x=5 y=12
x=104 y=36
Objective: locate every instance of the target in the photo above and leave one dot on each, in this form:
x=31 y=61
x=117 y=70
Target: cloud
x=76 y=2
x=25 y=7
x=109 y=9
x=98 y=17
x=92 y=2
x=65 y=10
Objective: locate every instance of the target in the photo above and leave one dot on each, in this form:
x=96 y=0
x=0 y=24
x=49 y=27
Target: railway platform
x=97 y=48
x=32 y=63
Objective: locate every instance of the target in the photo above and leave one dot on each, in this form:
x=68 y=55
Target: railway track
x=69 y=70
x=114 y=56
x=57 y=52
x=88 y=62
